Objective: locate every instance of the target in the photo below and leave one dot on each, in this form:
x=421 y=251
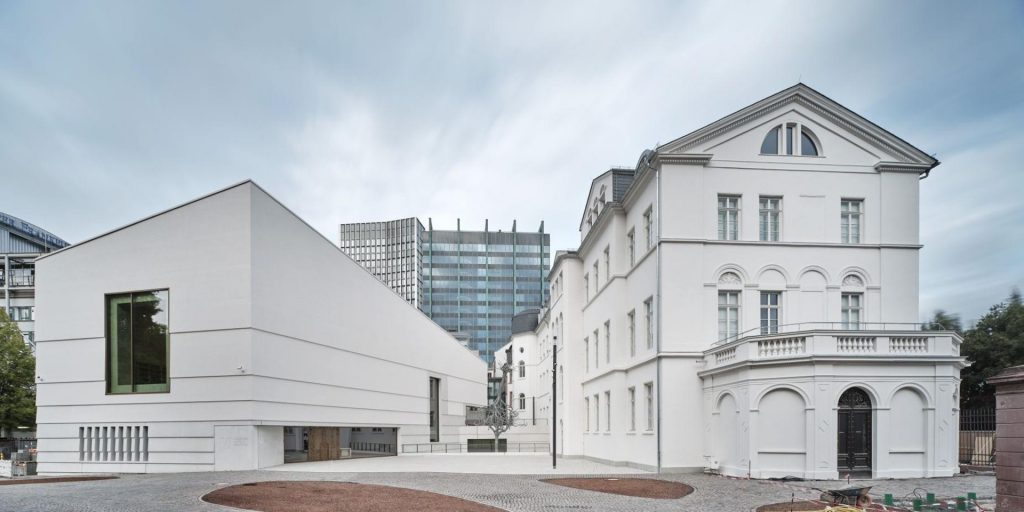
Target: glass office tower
x=469 y=282
x=475 y=281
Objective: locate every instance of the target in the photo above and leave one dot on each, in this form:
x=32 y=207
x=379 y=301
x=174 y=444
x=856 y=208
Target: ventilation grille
x=113 y=444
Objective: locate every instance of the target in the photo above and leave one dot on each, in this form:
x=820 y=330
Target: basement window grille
x=113 y=444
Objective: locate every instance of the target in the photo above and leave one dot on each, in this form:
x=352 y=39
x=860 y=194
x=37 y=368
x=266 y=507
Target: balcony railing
x=825 y=326
x=890 y=342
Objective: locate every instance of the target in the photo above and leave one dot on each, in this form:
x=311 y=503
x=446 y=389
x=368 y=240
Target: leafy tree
x=995 y=343
x=943 y=321
x=17 y=377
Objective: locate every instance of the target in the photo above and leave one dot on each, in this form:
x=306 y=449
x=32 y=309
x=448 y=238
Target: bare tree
x=500 y=417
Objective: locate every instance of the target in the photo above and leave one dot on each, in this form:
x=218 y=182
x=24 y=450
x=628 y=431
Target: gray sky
x=110 y=111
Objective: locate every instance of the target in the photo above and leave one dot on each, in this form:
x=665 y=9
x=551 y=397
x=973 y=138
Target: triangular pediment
x=856 y=138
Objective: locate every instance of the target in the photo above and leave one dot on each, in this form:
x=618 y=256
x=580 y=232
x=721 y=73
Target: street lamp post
x=554 y=403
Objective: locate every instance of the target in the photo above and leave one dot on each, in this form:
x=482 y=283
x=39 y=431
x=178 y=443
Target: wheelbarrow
x=851 y=495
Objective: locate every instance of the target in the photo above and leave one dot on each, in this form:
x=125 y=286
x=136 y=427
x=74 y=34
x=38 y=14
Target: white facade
x=270 y=325
x=724 y=297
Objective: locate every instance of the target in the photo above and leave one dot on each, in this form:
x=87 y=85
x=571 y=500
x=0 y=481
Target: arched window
x=522 y=401
x=522 y=369
x=781 y=140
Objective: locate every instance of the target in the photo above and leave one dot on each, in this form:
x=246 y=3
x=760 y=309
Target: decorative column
x=1009 y=438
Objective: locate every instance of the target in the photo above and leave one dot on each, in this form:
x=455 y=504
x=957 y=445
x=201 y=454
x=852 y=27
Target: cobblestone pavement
x=182 y=491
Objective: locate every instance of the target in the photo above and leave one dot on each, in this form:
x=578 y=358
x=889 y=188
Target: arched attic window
x=781 y=140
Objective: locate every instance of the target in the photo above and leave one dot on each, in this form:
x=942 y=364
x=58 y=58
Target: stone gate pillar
x=1009 y=438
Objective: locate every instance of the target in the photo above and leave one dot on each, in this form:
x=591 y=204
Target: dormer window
x=782 y=140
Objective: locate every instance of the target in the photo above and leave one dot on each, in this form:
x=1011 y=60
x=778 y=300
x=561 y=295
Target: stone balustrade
x=823 y=343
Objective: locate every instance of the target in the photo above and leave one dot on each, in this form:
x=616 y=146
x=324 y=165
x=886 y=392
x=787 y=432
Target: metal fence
x=476 y=446
x=372 y=447
x=978 y=437
x=10 y=448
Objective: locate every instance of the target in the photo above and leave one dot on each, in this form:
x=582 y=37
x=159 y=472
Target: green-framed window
x=138 y=346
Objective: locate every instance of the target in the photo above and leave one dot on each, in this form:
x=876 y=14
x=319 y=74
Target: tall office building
x=475 y=281
x=391 y=251
x=20 y=243
x=469 y=282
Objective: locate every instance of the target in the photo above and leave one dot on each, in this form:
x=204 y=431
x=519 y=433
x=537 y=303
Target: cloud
x=352 y=112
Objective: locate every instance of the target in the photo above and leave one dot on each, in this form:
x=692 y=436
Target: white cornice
x=681 y=158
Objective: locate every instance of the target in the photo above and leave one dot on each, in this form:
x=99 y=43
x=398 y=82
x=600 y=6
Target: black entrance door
x=854 y=432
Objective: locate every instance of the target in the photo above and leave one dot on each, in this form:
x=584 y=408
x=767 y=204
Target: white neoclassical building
x=745 y=299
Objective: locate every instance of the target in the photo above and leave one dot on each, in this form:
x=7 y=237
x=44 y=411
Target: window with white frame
x=783 y=140
x=597 y=413
x=649 y=228
x=649 y=321
x=631 y=318
x=522 y=369
x=852 y=305
x=607 y=411
x=586 y=352
x=632 y=409
x=728 y=217
x=522 y=401
x=586 y=287
x=631 y=245
x=597 y=349
x=771 y=309
x=586 y=405
x=649 y=399
x=608 y=341
x=728 y=315
x=770 y=211
x=597 y=278
x=851 y=215
x=607 y=265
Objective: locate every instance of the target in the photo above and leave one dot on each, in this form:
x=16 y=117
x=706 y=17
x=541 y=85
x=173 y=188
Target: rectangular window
x=137 y=342
x=770 y=218
x=435 y=409
x=586 y=352
x=597 y=277
x=607 y=265
x=586 y=287
x=597 y=349
x=728 y=315
x=852 y=310
x=631 y=316
x=851 y=212
x=771 y=309
x=597 y=413
x=648 y=228
x=608 y=341
x=728 y=217
x=649 y=321
x=632 y=409
x=649 y=397
x=607 y=411
x=631 y=244
x=586 y=405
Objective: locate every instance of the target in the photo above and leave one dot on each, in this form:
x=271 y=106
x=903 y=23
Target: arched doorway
x=854 y=424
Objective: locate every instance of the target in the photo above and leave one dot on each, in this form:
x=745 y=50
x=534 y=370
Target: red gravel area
x=638 y=487
x=814 y=505
x=55 y=479
x=337 y=497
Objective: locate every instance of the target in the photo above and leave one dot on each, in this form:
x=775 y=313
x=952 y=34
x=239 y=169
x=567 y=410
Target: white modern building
x=745 y=300
x=214 y=335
